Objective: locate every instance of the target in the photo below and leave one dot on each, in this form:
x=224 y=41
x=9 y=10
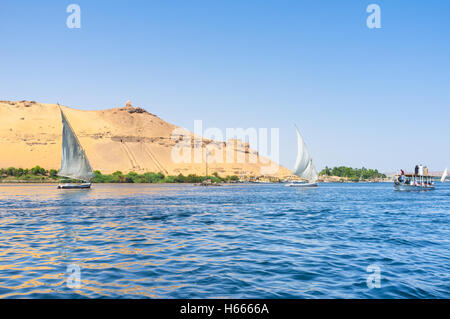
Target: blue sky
x=377 y=98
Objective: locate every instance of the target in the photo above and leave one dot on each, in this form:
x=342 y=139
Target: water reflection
x=253 y=241
x=49 y=191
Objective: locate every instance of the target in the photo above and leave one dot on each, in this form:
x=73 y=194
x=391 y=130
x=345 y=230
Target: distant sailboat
x=444 y=175
x=74 y=162
x=304 y=167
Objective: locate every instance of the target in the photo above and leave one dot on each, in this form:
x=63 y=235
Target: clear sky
x=378 y=98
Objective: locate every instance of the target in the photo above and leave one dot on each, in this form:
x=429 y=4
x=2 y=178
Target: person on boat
x=402 y=176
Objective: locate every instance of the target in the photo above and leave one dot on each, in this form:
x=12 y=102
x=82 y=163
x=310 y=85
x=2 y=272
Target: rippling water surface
x=239 y=241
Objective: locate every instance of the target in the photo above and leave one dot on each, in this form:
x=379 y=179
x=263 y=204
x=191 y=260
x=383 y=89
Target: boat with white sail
x=444 y=175
x=74 y=162
x=304 y=167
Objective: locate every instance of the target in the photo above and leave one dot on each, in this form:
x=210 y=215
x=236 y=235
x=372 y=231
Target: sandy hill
x=125 y=139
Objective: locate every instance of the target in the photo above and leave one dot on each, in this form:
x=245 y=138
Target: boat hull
x=412 y=188
x=305 y=185
x=74 y=186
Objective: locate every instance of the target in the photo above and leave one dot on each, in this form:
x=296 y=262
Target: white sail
x=74 y=163
x=444 y=175
x=304 y=166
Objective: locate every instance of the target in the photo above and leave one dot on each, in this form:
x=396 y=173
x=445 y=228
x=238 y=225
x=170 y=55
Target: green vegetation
x=36 y=174
x=39 y=174
x=354 y=174
x=132 y=177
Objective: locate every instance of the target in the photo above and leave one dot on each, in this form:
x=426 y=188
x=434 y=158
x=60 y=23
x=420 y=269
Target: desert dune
x=119 y=139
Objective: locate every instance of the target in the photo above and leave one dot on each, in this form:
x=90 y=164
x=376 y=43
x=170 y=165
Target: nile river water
x=237 y=241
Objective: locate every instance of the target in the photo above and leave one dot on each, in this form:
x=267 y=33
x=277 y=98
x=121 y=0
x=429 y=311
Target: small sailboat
x=304 y=167
x=444 y=175
x=74 y=162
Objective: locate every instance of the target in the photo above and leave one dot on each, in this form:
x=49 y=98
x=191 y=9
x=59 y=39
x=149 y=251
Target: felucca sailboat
x=304 y=167
x=74 y=162
x=444 y=175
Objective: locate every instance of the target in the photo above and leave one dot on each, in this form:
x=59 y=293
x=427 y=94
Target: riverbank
x=339 y=179
x=40 y=175
x=52 y=181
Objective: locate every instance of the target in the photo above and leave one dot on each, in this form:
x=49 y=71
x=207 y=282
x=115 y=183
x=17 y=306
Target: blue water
x=239 y=241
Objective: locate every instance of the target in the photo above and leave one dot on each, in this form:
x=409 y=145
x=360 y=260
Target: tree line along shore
x=349 y=174
x=38 y=174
